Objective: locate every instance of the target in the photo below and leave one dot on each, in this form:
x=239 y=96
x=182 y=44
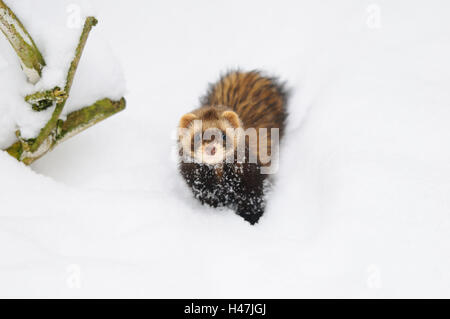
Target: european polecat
x=227 y=145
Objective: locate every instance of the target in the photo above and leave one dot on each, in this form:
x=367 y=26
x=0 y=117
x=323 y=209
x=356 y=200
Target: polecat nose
x=213 y=151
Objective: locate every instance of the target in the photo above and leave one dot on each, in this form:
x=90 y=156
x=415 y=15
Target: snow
x=361 y=205
x=56 y=33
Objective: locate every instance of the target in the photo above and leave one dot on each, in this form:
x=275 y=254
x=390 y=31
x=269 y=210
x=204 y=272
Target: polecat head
x=209 y=134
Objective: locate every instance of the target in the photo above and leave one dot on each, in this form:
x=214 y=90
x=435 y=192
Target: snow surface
x=361 y=207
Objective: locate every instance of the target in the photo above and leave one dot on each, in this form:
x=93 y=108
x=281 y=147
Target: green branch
x=51 y=124
x=88 y=25
x=56 y=130
x=30 y=58
x=75 y=123
x=43 y=100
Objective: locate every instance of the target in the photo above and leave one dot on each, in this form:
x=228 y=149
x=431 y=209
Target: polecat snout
x=227 y=145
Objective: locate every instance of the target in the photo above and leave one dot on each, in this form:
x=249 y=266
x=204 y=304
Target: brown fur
x=238 y=100
x=258 y=102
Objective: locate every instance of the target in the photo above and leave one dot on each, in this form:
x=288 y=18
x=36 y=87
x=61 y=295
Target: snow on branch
x=30 y=57
x=51 y=124
x=75 y=123
x=55 y=130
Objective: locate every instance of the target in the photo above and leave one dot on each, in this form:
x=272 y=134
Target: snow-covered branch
x=51 y=124
x=30 y=57
x=75 y=123
x=55 y=130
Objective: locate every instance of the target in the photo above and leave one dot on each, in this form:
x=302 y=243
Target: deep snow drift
x=361 y=207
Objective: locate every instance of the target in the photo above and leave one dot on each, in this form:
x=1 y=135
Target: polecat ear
x=187 y=119
x=233 y=118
